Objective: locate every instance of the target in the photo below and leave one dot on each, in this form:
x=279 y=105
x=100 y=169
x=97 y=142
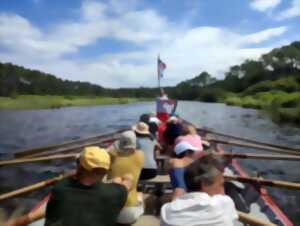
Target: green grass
x=43 y=102
x=281 y=106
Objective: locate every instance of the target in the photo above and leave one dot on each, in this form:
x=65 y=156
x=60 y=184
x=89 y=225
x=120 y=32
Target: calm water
x=26 y=129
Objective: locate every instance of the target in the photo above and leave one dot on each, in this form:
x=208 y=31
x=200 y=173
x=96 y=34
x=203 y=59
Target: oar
x=35 y=186
x=33 y=151
x=265 y=182
x=251 y=220
x=249 y=140
x=38 y=159
x=265 y=148
x=68 y=149
x=258 y=156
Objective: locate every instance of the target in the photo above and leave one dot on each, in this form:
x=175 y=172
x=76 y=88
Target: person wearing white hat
x=185 y=154
x=127 y=158
x=147 y=144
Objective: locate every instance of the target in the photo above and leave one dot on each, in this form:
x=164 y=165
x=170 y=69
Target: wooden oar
x=258 y=156
x=69 y=149
x=264 y=182
x=269 y=149
x=33 y=151
x=249 y=219
x=250 y=140
x=35 y=186
x=37 y=159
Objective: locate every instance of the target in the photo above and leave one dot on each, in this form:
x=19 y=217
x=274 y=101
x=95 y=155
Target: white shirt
x=161 y=104
x=199 y=209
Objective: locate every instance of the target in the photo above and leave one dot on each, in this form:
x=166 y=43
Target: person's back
x=147 y=145
x=199 y=209
x=124 y=163
x=76 y=204
x=205 y=202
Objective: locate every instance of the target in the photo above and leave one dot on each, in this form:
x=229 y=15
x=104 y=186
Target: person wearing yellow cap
x=86 y=200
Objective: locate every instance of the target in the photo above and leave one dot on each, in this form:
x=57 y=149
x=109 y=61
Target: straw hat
x=141 y=128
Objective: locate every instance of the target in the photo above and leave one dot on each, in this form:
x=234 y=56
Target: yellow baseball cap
x=94 y=157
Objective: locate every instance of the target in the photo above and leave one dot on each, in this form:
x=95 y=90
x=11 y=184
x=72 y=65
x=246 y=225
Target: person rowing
x=205 y=203
x=78 y=201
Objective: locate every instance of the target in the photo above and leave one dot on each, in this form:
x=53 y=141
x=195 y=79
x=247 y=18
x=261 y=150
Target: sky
x=115 y=43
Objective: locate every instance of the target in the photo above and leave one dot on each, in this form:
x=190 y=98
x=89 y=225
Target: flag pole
x=158 y=72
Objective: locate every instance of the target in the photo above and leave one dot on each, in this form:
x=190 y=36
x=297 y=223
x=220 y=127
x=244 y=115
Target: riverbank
x=281 y=106
x=45 y=102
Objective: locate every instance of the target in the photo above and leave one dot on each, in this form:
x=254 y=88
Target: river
x=20 y=130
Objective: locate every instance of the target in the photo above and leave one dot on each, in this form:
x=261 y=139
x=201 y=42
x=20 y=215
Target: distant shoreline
x=26 y=102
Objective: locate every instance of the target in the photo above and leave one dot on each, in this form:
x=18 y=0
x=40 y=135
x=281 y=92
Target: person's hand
x=21 y=221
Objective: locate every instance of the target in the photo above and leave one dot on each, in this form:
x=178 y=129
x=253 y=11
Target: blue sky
x=115 y=43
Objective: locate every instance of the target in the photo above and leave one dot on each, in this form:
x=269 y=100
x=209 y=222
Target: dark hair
x=183 y=154
x=143 y=135
x=144 y=118
x=172 y=131
x=203 y=170
x=153 y=128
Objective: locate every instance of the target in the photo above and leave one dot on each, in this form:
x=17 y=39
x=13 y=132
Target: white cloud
x=264 y=35
x=263 y=5
x=293 y=11
x=186 y=50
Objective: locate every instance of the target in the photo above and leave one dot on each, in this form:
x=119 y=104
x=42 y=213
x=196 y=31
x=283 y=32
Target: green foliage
x=291 y=115
x=233 y=101
x=287 y=100
x=18 y=80
x=250 y=102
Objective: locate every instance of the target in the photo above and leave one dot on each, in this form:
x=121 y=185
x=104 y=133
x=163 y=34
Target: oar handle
x=265 y=148
x=249 y=219
x=206 y=130
x=259 y=156
x=273 y=183
x=37 y=159
x=34 y=187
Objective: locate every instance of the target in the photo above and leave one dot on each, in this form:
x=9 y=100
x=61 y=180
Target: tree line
x=250 y=76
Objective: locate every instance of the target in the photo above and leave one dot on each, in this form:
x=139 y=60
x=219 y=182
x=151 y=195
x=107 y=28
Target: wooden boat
x=248 y=198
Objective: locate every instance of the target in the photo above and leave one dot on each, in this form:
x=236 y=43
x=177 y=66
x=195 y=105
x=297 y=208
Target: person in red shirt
x=161 y=106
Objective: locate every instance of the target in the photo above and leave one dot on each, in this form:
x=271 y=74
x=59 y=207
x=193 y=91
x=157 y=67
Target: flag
x=161 y=66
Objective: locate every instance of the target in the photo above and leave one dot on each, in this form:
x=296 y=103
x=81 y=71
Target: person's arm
x=126 y=180
x=174 y=106
x=27 y=218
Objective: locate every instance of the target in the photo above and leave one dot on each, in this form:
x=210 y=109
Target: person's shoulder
x=139 y=152
x=116 y=188
x=227 y=205
x=66 y=182
x=224 y=200
x=175 y=163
